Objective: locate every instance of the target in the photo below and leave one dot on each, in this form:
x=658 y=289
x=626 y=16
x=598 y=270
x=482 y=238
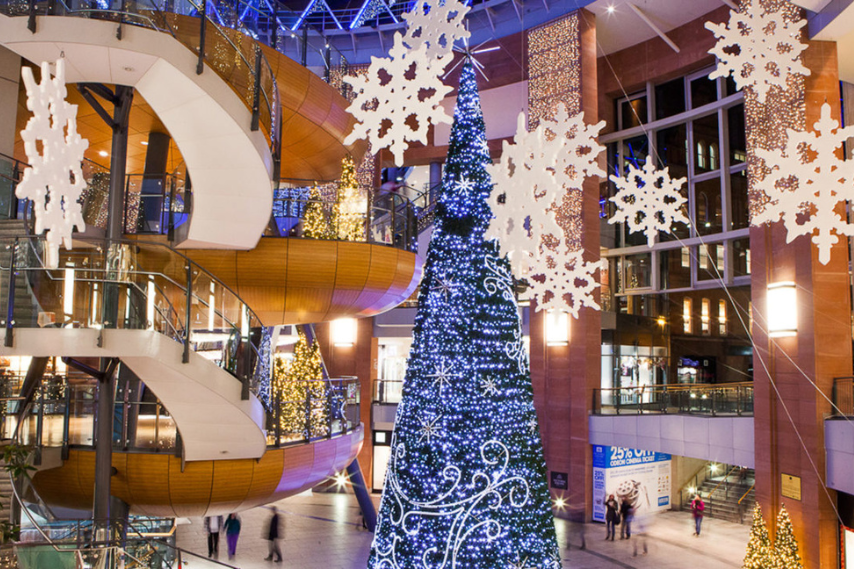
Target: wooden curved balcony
x=158 y=485
x=301 y=281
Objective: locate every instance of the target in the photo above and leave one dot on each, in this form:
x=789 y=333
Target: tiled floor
x=321 y=531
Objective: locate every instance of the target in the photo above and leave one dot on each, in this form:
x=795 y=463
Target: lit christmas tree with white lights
x=786 y=554
x=466 y=481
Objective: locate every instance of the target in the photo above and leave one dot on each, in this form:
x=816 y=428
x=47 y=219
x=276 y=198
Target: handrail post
x=37 y=459
x=200 y=66
x=304 y=46
x=170 y=234
x=329 y=411
x=277 y=416
x=66 y=420
x=308 y=413
x=189 y=300
x=124 y=9
x=256 y=98
x=10 y=298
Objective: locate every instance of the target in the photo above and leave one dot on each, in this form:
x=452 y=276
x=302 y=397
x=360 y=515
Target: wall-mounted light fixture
x=781 y=308
x=557 y=328
x=344 y=331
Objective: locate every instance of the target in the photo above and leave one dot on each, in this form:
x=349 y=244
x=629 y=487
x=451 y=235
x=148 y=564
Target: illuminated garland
x=466 y=482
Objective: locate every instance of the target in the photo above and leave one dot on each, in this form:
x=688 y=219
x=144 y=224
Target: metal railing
x=385 y=218
x=843 y=396
x=156 y=204
x=701 y=399
x=233 y=56
x=387 y=391
x=313 y=410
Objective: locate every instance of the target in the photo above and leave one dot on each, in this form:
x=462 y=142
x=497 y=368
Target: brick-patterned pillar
x=562 y=68
x=359 y=360
x=789 y=420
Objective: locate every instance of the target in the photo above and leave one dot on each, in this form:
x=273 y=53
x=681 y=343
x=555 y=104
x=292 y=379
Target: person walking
x=232 y=532
x=213 y=525
x=273 y=535
x=641 y=523
x=626 y=512
x=698 y=507
x=612 y=518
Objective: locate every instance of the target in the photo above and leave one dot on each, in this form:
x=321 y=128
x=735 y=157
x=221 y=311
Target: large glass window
x=670 y=98
x=707 y=211
x=706 y=144
x=633 y=112
x=675 y=267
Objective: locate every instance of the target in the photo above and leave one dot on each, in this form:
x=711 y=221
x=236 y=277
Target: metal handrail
x=703 y=398
x=715 y=489
x=749 y=490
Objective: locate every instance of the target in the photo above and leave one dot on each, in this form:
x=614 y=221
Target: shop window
x=686 y=315
x=722 y=322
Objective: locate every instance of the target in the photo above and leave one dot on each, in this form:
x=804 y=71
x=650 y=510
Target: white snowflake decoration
x=54 y=181
x=438 y=24
x=572 y=277
x=759 y=49
x=806 y=194
x=489 y=386
x=393 y=109
x=533 y=176
x=429 y=429
x=649 y=200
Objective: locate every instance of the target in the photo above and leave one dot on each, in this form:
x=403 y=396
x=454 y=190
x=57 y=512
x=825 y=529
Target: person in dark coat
x=611 y=517
x=213 y=525
x=232 y=532
x=626 y=512
x=273 y=536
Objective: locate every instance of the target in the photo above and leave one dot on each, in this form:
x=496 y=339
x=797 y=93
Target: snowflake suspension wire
x=758 y=48
x=649 y=200
x=54 y=180
x=809 y=196
x=397 y=99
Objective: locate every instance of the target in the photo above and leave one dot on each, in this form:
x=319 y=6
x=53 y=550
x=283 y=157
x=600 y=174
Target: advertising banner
x=640 y=477
x=847 y=548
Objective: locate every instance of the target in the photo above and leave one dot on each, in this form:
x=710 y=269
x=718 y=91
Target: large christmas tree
x=465 y=485
x=299 y=390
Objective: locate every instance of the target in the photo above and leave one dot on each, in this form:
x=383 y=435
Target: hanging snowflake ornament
x=649 y=200
x=565 y=281
x=54 y=180
x=758 y=48
x=809 y=185
x=438 y=24
x=397 y=99
x=533 y=176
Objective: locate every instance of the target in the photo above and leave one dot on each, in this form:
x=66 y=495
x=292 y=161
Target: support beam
x=363 y=496
x=654 y=27
x=731 y=4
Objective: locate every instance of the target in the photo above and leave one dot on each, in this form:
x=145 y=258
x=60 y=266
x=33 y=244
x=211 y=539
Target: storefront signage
x=791 y=486
x=640 y=477
x=560 y=480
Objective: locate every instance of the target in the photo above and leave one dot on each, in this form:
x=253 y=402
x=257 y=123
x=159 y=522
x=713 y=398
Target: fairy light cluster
x=466 y=484
x=554 y=68
x=554 y=76
x=766 y=124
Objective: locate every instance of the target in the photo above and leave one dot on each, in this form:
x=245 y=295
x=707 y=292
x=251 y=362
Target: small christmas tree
x=351 y=204
x=785 y=545
x=300 y=391
x=466 y=480
x=760 y=554
x=316 y=224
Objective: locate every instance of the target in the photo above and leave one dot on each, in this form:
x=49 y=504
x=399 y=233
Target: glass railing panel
x=702 y=399
x=308 y=410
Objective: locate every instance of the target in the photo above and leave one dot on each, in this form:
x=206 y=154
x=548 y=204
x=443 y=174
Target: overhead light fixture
x=344 y=331
x=781 y=307
x=557 y=328
x=144 y=143
x=611 y=9
x=103 y=153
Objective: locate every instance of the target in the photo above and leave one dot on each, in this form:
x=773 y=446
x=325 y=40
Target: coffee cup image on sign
x=634 y=493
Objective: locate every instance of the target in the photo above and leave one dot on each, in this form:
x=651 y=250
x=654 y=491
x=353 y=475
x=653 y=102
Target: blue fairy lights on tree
x=466 y=481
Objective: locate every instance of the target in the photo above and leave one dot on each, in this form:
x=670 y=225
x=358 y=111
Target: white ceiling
x=624 y=28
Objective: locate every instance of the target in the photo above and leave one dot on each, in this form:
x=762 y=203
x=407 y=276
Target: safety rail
x=172 y=295
x=711 y=399
x=380 y=217
x=749 y=490
x=387 y=391
x=234 y=57
x=843 y=396
x=309 y=410
x=724 y=482
x=156 y=204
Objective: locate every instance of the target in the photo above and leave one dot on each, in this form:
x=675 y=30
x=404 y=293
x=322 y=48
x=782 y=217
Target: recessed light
x=610 y=9
x=144 y=143
x=129 y=69
x=103 y=153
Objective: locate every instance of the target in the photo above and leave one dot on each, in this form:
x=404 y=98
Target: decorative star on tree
x=649 y=200
x=809 y=195
x=442 y=287
x=54 y=181
x=429 y=429
x=519 y=564
x=442 y=375
x=758 y=48
x=489 y=386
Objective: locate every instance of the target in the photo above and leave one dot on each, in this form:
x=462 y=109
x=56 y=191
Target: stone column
x=789 y=411
x=564 y=376
x=10 y=78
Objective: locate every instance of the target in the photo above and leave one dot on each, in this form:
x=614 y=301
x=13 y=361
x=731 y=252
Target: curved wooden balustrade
x=301 y=281
x=157 y=485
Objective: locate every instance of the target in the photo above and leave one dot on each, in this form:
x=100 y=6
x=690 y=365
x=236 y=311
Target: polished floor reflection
x=322 y=531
